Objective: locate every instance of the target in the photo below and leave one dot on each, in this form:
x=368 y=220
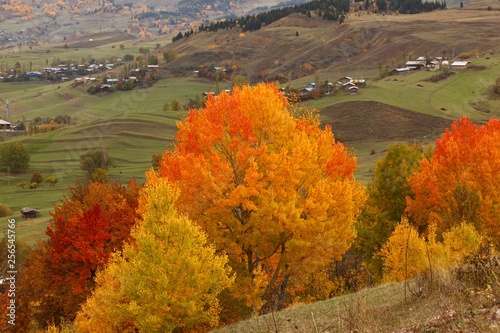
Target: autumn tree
x=94 y=159
x=37 y=178
x=168 y=277
x=14 y=157
x=459 y=182
x=386 y=203
x=408 y=254
x=91 y=223
x=275 y=192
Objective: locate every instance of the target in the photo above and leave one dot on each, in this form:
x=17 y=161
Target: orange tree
x=460 y=182
x=271 y=189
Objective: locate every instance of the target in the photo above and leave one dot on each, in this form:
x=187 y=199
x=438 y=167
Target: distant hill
x=53 y=20
x=298 y=46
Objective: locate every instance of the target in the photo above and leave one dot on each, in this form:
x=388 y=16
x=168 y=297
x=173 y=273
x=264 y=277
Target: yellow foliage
x=404 y=254
x=407 y=255
x=168 y=277
x=460 y=242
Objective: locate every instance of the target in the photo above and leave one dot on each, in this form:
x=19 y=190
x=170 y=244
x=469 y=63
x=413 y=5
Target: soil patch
x=440 y=77
x=357 y=122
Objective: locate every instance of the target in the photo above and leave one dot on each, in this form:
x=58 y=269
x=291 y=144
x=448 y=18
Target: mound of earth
x=440 y=77
x=365 y=121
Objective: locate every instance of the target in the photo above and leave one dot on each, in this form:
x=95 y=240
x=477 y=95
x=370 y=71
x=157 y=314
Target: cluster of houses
x=424 y=63
x=346 y=83
x=60 y=72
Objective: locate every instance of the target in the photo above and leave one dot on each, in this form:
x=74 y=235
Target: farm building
x=397 y=71
x=353 y=90
x=415 y=64
x=4 y=124
x=29 y=213
x=460 y=64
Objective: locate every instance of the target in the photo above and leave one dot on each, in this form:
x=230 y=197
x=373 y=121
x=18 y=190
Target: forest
x=255 y=209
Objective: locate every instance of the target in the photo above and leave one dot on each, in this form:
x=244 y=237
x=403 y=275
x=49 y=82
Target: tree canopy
x=168 y=277
x=275 y=192
x=460 y=182
x=14 y=157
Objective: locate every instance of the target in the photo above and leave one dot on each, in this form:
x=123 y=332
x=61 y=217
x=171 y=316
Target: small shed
x=29 y=213
x=353 y=90
x=460 y=64
x=415 y=65
x=398 y=71
x=4 y=125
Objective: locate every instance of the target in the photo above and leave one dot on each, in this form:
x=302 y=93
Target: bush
x=5 y=211
x=51 y=180
x=37 y=178
x=21 y=184
x=33 y=185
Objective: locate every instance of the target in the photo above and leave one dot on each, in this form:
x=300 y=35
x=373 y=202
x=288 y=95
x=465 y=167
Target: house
x=397 y=71
x=306 y=92
x=345 y=79
x=353 y=90
x=327 y=88
x=348 y=85
x=4 y=125
x=29 y=213
x=460 y=64
x=112 y=81
x=415 y=64
x=422 y=59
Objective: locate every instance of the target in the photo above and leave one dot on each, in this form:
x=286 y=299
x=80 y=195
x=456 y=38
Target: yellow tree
x=168 y=277
x=274 y=191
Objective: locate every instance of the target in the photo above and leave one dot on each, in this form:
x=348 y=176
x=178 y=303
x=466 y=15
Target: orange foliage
x=275 y=192
x=460 y=181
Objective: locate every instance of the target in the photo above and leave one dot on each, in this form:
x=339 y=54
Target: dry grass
x=460 y=300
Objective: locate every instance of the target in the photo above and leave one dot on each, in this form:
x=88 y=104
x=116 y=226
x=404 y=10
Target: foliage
x=33 y=185
x=386 y=201
x=155 y=161
x=5 y=210
x=14 y=157
x=406 y=254
x=37 y=178
x=87 y=227
x=170 y=55
x=51 y=180
x=100 y=175
x=128 y=57
x=459 y=182
x=21 y=184
x=277 y=218
x=168 y=277
x=93 y=160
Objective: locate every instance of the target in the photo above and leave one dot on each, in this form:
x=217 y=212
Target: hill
x=55 y=20
x=299 y=45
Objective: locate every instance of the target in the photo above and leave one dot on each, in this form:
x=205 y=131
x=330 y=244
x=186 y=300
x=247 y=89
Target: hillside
x=300 y=46
x=55 y=20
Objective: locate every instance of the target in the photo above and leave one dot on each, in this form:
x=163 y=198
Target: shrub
x=21 y=184
x=4 y=210
x=51 y=180
x=37 y=178
x=33 y=185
